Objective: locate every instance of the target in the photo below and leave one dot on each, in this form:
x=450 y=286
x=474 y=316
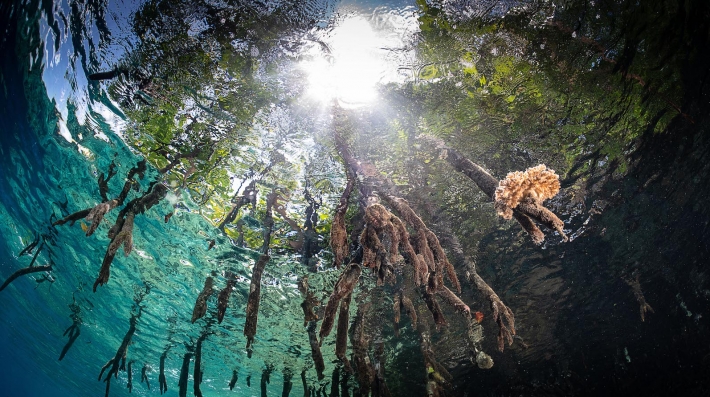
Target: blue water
x=42 y=173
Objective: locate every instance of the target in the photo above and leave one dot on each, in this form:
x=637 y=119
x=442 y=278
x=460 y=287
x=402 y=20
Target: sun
x=352 y=66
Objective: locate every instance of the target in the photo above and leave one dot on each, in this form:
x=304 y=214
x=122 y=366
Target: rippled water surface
x=255 y=115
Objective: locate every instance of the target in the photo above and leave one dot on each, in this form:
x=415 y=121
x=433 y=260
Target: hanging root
x=23 y=271
x=535 y=184
x=253 y=300
x=427 y=245
x=338 y=233
x=201 y=304
x=125 y=237
x=309 y=301
x=103 y=181
x=435 y=309
x=453 y=300
x=360 y=343
x=114 y=363
x=502 y=314
x=315 y=350
x=163 y=384
x=402 y=302
x=184 y=375
x=344 y=287
x=96 y=215
x=197 y=370
x=341 y=336
x=635 y=285
x=529 y=226
x=144 y=375
x=223 y=297
x=381 y=240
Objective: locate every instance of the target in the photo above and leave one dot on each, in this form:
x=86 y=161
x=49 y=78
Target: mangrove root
x=644 y=307
x=360 y=342
x=253 y=300
x=201 y=304
x=309 y=301
x=144 y=375
x=197 y=372
x=184 y=373
x=502 y=314
x=233 y=381
x=341 y=336
x=223 y=297
x=519 y=195
x=161 y=377
x=343 y=287
x=338 y=233
x=114 y=363
x=315 y=350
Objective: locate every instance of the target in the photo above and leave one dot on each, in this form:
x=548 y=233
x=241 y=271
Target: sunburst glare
x=349 y=63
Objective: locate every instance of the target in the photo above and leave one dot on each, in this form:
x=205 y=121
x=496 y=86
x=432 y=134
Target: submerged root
x=253 y=300
x=502 y=314
x=23 y=271
x=341 y=336
x=161 y=377
x=435 y=309
x=338 y=233
x=309 y=301
x=223 y=297
x=635 y=285
x=402 y=302
x=96 y=215
x=124 y=236
x=343 y=287
x=144 y=375
x=201 y=304
x=453 y=300
x=426 y=244
x=197 y=370
x=315 y=350
x=360 y=342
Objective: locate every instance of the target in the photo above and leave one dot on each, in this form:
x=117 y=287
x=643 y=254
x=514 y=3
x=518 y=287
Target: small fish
x=212 y=243
x=478 y=316
x=168 y=216
x=84 y=227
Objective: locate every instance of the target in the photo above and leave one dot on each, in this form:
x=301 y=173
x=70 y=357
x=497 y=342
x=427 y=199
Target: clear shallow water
x=578 y=337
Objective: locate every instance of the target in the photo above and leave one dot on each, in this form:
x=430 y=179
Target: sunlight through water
x=356 y=56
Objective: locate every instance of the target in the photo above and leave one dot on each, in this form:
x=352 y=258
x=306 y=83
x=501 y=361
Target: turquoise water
x=43 y=174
